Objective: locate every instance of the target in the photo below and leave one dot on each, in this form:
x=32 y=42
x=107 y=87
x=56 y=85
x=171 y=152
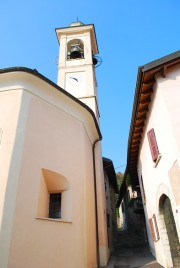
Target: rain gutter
x=96 y=204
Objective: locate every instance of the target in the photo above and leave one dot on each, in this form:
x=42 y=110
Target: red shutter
x=152 y=229
x=156 y=227
x=153 y=144
x=143 y=191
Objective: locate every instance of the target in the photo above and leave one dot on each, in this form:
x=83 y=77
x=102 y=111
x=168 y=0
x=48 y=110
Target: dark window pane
x=108 y=220
x=55 y=206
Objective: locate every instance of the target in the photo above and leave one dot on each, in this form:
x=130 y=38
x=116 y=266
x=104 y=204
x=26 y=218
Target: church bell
x=76 y=51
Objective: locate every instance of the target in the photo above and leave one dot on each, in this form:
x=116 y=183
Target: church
x=52 y=200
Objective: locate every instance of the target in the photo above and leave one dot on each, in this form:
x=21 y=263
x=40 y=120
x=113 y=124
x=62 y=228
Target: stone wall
x=135 y=222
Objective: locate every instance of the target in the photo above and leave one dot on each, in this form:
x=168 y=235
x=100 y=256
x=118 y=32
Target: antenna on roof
x=77 y=19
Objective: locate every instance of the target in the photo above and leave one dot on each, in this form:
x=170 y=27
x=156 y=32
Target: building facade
x=154 y=154
x=111 y=191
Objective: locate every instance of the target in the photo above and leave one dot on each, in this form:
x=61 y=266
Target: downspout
x=96 y=208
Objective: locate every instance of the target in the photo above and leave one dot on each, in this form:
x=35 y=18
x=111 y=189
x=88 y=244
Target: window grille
x=55 y=206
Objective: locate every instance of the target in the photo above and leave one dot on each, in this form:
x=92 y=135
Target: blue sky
x=129 y=33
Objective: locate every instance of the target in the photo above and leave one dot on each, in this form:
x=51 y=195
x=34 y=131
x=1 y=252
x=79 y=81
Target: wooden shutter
x=156 y=227
x=152 y=229
x=153 y=144
x=143 y=191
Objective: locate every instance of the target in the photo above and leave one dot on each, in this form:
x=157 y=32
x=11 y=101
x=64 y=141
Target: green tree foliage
x=128 y=181
x=119 y=177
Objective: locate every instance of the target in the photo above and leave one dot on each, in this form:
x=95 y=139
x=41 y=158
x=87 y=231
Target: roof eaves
x=135 y=106
x=109 y=167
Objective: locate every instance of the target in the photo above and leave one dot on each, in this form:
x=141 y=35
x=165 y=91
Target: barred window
x=55 y=196
x=55 y=206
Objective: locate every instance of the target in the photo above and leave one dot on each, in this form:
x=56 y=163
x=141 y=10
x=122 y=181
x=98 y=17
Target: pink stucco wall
x=49 y=132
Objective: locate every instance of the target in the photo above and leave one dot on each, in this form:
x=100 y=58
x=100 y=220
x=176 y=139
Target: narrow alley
x=131 y=252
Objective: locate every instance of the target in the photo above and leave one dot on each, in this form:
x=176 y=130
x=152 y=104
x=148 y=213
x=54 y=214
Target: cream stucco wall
x=47 y=131
x=10 y=155
x=164 y=117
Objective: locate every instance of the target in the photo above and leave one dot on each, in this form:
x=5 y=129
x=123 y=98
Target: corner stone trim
x=174 y=177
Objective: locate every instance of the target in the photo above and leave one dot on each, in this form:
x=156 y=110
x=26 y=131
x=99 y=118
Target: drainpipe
x=96 y=209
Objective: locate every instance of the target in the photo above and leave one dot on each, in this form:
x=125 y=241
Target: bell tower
x=76 y=64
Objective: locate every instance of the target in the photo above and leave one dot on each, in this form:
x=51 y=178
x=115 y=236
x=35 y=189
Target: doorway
x=169 y=230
